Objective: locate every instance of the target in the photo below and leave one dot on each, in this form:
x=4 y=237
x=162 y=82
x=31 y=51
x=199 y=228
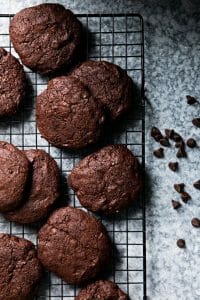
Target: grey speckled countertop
x=172 y=64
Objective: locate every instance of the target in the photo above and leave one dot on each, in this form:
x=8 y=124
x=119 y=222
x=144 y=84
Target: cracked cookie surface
x=107 y=180
x=20 y=268
x=102 y=290
x=12 y=83
x=74 y=245
x=45 y=36
x=68 y=116
x=108 y=83
x=14 y=171
x=43 y=188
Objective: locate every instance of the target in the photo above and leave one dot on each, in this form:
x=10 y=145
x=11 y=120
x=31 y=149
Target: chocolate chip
x=159 y=153
x=157 y=138
x=181 y=243
x=185 y=197
x=155 y=131
x=178 y=144
x=173 y=166
x=191 y=100
x=179 y=187
x=164 y=142
x=181 y=151
x=177 y=137
x=169 y=133
x=197 y=184
x=156 y=134
x=195 y=222
x=176 y=204
x=196 y=122
x=191 y=143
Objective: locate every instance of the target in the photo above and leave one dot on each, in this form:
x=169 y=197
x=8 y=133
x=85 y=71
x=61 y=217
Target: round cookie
x=14 y=170
x=44 y=189
x=46 y=36
x=12 y=87
x=102 y=290
x=74 y=245
x=108 y=83
x=20 y=268
x=67 y=115
x=107 y=180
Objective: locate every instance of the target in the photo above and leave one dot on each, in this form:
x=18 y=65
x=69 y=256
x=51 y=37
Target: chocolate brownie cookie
x=67 y=114
x=45 y=36
x=44 y=189
x=108 y=180
x=108 y=83
x=74 y=245
x=12 y=87
x=20 y=268
x=102 y=290
x=14 y=169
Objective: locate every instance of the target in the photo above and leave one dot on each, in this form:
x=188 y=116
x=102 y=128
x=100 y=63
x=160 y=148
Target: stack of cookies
x=70 y=113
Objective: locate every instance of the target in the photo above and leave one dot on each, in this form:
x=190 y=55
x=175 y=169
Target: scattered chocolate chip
x=197 y=184
x=181 y=151
x=191 y=100
x=195 y=222
x=185 y=197
x=173 y=166
x=179 y=187
x=159 y=153
x=164 y=142
x=155 y=131
x=176 y=204
x=196 y=122
x=157 y=138
x=181 y=243
x=191 y=143
x=178 y=144
x=169 y=133
x=176 y=137
x=179 y=154
x=156 y=134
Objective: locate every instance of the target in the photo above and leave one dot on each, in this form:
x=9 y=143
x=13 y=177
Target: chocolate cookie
x=44 y=189
x=67 y=114
x=108 y=180
x=45 y=36
x=20 y=268
x=74 y=245
x=14 y=169
x=102 y=290
x=108 y=83
x=12 y=87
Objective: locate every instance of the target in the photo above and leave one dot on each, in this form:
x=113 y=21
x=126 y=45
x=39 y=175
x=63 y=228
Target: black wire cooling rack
x=117 y=38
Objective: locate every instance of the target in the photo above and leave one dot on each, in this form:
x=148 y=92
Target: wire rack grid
x=119 y=39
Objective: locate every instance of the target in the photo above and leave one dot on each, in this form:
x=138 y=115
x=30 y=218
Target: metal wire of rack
x=117 y=38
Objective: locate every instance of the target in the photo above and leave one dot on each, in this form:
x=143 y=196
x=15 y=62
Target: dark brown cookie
x=67 y=115
x=45 y=36
x=74 y=245
x=108 y=180
x=14 y=169
x=102 y=290
x=109 y=84
x=44 y=189
x=20 y=268
x=12 y=87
